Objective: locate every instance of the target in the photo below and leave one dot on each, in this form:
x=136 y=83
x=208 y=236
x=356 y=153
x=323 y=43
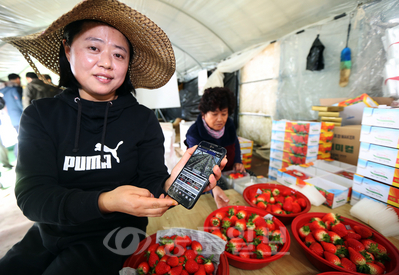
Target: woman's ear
x=67 y=49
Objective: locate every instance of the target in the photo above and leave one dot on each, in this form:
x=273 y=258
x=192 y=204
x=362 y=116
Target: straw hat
x=153 y=63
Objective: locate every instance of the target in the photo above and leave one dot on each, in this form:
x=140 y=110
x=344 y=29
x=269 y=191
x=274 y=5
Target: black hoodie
x=59 y=169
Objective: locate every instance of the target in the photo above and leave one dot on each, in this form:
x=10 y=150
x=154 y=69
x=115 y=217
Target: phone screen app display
x=195 y=174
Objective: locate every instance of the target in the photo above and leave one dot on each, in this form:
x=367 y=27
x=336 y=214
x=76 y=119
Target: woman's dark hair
x=217 y=98
x=67 y=79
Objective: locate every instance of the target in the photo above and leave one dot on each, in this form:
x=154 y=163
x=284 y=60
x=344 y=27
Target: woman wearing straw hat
x=90 y=168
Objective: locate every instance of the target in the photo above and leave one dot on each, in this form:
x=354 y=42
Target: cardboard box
x=380 y=136
x=303 y=127
x=299 y=149
x=273 y=172
x=278 y=164
x=352 y=115
x=379 y=154
x=308 y=140
x=388 y=118
x=291 y=158
x=377 y=190
x=346 y=144
x=245 y=143
x=385 y=174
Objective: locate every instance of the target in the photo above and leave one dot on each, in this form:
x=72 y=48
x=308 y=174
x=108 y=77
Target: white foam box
x=383 y=173
x=381 y=117
x=379 y=154
x=334 y=166
x=309 y=140
x=345 y=182
x=336 y=194
x=312 y=128
x=231 y=182
x=273 y=172
x=377 y=190
x=381 y=136
x=288 y=179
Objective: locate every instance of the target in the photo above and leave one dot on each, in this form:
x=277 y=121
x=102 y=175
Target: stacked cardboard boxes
x=325 y=142
x=377 y=174
x=293 y=142
x=246 y=147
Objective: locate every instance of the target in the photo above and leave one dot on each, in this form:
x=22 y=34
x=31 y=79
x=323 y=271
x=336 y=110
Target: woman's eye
x=92 y=48
x=119 y=56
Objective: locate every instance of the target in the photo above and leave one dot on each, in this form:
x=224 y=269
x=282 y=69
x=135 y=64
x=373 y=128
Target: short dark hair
x=31 y=75
x=47 y=77
x=13 y=76
x=67 y=79
x=217 y=98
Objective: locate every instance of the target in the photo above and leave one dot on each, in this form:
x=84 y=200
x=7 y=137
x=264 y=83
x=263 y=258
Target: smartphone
x=194 y=177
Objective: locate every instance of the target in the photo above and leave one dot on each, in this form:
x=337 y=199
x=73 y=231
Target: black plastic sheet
x=315 y=60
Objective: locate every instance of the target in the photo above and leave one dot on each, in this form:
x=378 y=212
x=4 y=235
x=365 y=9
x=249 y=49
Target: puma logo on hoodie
x=84 y=163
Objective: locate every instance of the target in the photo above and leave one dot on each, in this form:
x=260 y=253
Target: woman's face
x=99 y=58
x=217 y=119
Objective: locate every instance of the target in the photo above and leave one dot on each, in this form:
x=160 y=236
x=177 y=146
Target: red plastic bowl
x=252 y=264
x=284 y=218
x=135 y=259
x=323 y=265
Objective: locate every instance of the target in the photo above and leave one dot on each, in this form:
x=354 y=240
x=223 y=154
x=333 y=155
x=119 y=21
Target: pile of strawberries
x=276 y=202
x=353 y=249
x=176 y=255
x=248 y=235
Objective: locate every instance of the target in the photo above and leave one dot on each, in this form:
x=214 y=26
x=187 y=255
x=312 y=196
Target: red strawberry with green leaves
x=143 y=268
x=263 y=251
x=270 y=225
x=164 y=258
x=226 y=222
x=231 y=212
x=209 y=266
x=287 y=206
x=296 y=208
x=261 y=230
x=335 y=238
x=151 y=248
x=177 y=270
x=215 y=221
x=233 y=220
x=160 y=251
x=276 y=236
x=190 y=254
x=356 y=257
x=162 y=268
x=260 y=239
x=242 y=214
x=220 y=215
x=356 y=245
x=200 y=259
x=329 y=247
x=197 y=247
x=250 y=225
x=275 y=192
x=191 y=266
x=153 y=259
x=309 y=239
x=339 y=228
x=200 y=271
x=379 y=252
x=363 y=231
x=348 y=265
x=317 y=224
x=304 y=231
x=235 y=245
x=249 y=236
x=332 y=258
x=241 y=225
x=274 y=248
x=173 y=261
x=181 y=241
x=332 y=217
x=353 y=236
x=261 y=204
x=321 y=235
x=302 y=203
x=374 y=268
x=342 y=251
x=317 y=249
x=380 y=265
x=232 y=232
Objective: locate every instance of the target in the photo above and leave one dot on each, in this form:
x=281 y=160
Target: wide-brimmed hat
x=153 y=62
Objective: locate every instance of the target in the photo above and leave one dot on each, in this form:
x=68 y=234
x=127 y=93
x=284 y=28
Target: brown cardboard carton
x=346 y=143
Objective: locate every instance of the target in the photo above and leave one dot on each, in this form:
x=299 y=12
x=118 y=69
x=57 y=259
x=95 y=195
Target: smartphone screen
x=193 y=179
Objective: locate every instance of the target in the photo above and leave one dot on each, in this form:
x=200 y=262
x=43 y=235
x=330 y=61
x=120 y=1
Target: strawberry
x=339 y=228
x=191 y=266
x=281 y=199
x=274 y=248
x=226 y=222
x=269 y=208
x=232 y=211
x=232 y=232
x=261 y=204
x=181 y=241
x=153 y=259
x=356 y=257
x=321 y=235
x=249 y=236
x=317 y=249
x=143 y=268
x=287 y=206
x=241 y=224
x=379 y=251
x=348 y=265
x=200 y=271
x=332 y=217
x=342 y=251
x=164 y=258
x=270 y=225
x=332 y=258
x=220 y=215
x=356 y=245
x=309 y=240
x=200 y=259
x=264 y=197
x=368 y=256
x=302 y=203
x=169 y=246
x=242 y=214
x=182 y=260
x=233 y=220
x=209 y=266
x=261 y=230
x=329 y=247
x=316 y=224
x=315 y=219
x=151 y=248
x=296 y=208
x=335 y=238
x=380 y=265
x=196 y=246
x=184 y=272
x=353 y=236
x=219 y=234
x=374 y=268
x=328 y=225
x=276 y=208
x=276 y=237
x=275 y=192
x=363 y=231
x=162 y=268
x=272 y=200
x=177 y=270
x=304 y=231
x=263 y=251
x=160 y=251
x=261 y=239
x=173 y=261
x=235 y=245
x=215 y=221
x=190 y=254
x=250 y=225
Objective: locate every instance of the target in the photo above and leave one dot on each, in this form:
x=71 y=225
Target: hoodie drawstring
x=109 y=104
x=77 y=132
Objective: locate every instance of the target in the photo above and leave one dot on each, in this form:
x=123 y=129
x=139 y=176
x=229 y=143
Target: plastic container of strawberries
x=284 y=218
x=392 y=267
x=252 y=264
x=135 y=259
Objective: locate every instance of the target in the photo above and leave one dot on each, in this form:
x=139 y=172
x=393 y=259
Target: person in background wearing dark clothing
x=3 y=150
x=15 y=80
x=14 y=107
x=91 y=159
x=36 y=89
x=215 y=126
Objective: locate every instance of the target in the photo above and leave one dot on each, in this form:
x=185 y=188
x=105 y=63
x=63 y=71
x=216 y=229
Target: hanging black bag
x=315 y=60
